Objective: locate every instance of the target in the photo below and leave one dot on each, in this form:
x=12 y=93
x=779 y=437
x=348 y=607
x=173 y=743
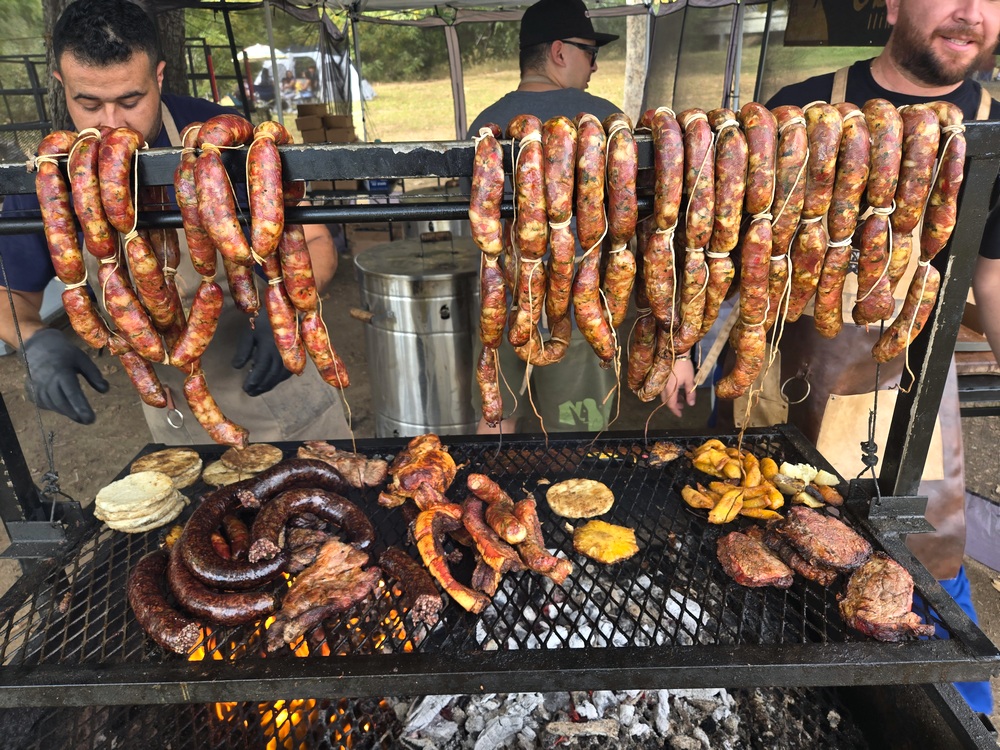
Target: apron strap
x=985 y=102
x=171 y=127
x=838 y=91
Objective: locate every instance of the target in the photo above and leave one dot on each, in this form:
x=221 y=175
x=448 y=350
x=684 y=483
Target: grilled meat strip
x=878 y=600
x=358 y=470
x=750 y=563
x=821 y=574
x=424 y=459
x=823 y=540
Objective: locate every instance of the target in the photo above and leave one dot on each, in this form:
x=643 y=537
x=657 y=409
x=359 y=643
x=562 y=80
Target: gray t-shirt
x=544 y=105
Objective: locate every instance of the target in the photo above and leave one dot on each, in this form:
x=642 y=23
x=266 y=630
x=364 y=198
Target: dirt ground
x=87 y=458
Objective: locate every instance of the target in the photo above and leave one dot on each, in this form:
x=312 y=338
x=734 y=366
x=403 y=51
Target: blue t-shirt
x=26 y=256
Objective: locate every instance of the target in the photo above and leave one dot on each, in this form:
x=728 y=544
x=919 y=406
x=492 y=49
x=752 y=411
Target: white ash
x=623 y=719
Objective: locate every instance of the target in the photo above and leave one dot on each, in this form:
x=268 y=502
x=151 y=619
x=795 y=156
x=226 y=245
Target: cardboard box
x=363 y=236
x=314 y=136
x=310 y=122
x=341 y=135
x=320 y=185
x=338 y=121
x=306 y=110
x=346 y=185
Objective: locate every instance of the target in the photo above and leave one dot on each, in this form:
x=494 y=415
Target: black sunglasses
x=592 y=49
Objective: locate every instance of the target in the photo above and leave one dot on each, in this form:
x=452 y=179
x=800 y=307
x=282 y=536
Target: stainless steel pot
x=422 y=308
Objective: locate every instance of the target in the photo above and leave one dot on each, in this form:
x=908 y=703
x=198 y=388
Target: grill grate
x=670 y=612
x=767 y=718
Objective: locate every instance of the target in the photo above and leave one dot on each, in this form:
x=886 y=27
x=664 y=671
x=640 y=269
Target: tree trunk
x=635 y=63
x=56 y=100
x=170 y=25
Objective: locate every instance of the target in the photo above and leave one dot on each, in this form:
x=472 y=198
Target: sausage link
x=150 y=285
x=114 y=168
x=495 y=552
x=692 y=303
x=761 y=131
x=161 y=622
x=532 y=549
x=140 y=373
x=699 y=177
x=208 y=414
x=84 y=318
x=220 y=607
x=58 y=221
x=200 y=245
x=921 y=137
x=663 y=364
x=942 y=205
x=285 y=326
x=217 y=208
x=912 y=317
x=267 y=206
x=317 y=340
x=829 y=309
x=808 y=251
x=128 y=315
x=668 y=166
x=825 y=128
x=225 y=130
x=731 y=158
x=789 y=195
x=420 y=594
x=559 y=153
x=886 y=129
x=748 y=335
x=539 y=353
x=489 y=386
x=242 y=282
x=590 y=317
x=499 y=509
x=622 y=172
x=874 y=291
x=487 y=191
x=493 y=302
x=641 y=348
x=336 y=509
x=852 y=173
x=86 y=187
x=429 y=528
x=294 y=190
x=237 y=534
x=296 y=268
x=659 y=279
x=201 y=324
x=591 y=220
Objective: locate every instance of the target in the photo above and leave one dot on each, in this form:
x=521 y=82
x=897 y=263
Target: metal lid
x=412 y=259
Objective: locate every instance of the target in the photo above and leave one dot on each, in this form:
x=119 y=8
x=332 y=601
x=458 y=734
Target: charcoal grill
x=69 y=642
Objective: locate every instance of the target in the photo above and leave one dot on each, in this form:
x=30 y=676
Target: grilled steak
x=750 y=563
x=357 y=470
x=823 y=540
x=878 y=600
x=821 y=574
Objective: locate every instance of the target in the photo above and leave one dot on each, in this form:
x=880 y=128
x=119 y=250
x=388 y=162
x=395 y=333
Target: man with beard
x=933 y=52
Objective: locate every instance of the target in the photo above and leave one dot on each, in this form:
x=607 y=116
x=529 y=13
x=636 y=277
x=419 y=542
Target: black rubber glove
x=54 y=364
x=256 y=346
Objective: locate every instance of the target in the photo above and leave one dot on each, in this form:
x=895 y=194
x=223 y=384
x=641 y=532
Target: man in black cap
x=558 y=55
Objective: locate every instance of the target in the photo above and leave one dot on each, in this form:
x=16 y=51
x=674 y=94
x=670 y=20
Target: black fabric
x=861 y=87
x=549 y=20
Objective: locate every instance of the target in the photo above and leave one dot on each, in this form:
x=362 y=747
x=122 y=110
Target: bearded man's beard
x=914 y=54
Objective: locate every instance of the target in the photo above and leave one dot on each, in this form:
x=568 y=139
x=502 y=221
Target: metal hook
x=805 y=380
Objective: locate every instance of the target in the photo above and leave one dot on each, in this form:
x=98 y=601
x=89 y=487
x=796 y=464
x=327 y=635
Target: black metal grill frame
x=67 y=636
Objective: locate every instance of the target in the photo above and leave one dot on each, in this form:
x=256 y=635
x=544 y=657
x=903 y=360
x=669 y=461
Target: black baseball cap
x=549 y=20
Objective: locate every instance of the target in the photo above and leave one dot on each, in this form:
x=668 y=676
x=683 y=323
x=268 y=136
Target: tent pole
x=357 y=65
x=680 y=52
x=763 y=50
x=457 y=81
x=732 y=93
x=236 y=60
x=275 y=79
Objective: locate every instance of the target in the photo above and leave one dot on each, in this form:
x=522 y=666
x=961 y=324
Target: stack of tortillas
x=142 y=501
x=236 y=465
x=182 y=465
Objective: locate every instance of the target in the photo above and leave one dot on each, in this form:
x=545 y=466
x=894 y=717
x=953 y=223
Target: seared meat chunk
x=878 y=600
x=821 y=574
x=750 y=563
x=823 y=540
x=356 y=469
x=424 y=459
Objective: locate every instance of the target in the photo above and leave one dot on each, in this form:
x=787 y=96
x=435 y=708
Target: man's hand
x=256 y=346
x=54 y=364
x=681 y=380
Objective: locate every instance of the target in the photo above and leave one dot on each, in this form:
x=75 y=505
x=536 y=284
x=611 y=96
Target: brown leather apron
x=819 y=376
x=303 y=407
